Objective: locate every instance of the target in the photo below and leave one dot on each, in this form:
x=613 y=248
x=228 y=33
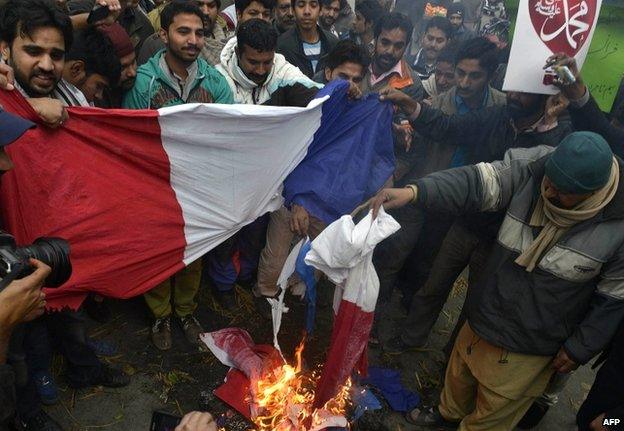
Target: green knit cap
x=581 y=163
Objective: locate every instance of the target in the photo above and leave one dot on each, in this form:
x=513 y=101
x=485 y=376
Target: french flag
x=140 y=194
x=344 y=253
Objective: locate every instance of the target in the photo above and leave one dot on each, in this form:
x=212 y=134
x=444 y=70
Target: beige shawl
x=556 y=221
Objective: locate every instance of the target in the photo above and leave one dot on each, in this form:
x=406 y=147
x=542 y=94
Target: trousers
x=461 y=247
x=279 y=239
x=183 y=287
x=249 y=241
x=489 y=388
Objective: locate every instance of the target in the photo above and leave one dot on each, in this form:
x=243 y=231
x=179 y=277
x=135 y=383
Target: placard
x=545 y=27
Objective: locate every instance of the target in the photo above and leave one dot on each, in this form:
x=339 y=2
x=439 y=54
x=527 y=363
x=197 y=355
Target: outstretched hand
x=404 y=102
x=391 y=198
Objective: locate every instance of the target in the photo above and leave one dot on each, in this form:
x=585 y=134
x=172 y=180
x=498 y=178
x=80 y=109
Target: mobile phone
x=98 y=13
x=162 y=421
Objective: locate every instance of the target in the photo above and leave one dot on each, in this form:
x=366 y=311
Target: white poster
x=543 y=28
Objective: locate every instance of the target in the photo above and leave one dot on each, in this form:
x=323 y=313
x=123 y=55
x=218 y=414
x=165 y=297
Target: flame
x=284 y=398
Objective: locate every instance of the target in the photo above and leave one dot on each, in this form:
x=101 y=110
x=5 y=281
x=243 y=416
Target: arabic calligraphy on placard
x=573 y=26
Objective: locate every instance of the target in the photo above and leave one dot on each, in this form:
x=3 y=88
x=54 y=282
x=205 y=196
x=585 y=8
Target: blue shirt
x=459 y=156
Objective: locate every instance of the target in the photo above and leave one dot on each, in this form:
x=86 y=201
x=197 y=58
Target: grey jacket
x=574 y=298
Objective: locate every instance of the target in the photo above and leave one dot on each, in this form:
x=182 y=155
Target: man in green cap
x=551 y=295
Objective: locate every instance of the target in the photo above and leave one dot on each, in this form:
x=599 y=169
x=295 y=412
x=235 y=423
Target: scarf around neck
x=556 y=221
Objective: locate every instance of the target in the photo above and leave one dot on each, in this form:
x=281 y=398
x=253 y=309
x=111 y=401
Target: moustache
x=255 y=77
x=387 y=58
x=38 y=73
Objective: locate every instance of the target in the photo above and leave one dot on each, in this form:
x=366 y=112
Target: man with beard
x=330 y=10
x=173 y=77
x=38 y=59
x=307 y=43
x=252 y=68
x=214 y=35
x=347 y=61
x=92 y=65
x=392 y=35
x=284 y=18
x=210 y=8
x=127 y=58
x=438 y=33
x=527 y=120
x=455 y=14
x=177 y=75
x=388 y=69
x=35 y=37
x=550 y=296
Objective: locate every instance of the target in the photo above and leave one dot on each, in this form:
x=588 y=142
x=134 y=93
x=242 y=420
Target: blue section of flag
x=350 y=158
x=306 y=273
x=389 y=383
x=363 y=400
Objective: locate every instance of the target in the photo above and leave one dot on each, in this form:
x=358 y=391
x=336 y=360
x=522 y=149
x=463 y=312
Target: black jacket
x=290 y=46
x=590 y=117
x=486 y=134
x=7 y=396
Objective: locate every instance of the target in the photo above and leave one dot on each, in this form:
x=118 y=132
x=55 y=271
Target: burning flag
x=271 y=393
x=278 y=396
x=344 y=252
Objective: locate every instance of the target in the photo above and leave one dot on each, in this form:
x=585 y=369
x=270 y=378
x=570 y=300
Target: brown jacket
x=438 y=155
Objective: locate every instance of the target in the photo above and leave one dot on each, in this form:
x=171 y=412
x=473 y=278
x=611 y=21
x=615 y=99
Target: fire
x=284 y=398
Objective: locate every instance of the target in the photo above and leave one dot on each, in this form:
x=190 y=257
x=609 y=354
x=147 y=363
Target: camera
x=98 y=13
x=14 y=260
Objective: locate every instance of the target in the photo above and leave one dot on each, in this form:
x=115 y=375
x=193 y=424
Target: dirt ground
x=182 y=379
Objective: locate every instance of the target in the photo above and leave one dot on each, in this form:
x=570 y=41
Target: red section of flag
x=101 y=182
x=347 y=350
x=235 y=390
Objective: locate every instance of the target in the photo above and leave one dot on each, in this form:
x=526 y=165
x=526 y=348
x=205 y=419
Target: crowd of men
x=521 y=189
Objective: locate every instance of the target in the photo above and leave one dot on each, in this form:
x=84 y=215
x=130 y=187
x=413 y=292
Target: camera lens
x=54 y=252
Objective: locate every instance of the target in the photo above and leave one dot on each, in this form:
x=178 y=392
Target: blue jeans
x=249 y=242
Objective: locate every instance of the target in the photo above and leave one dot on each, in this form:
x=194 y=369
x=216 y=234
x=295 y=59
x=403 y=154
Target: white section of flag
x=244 y=183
